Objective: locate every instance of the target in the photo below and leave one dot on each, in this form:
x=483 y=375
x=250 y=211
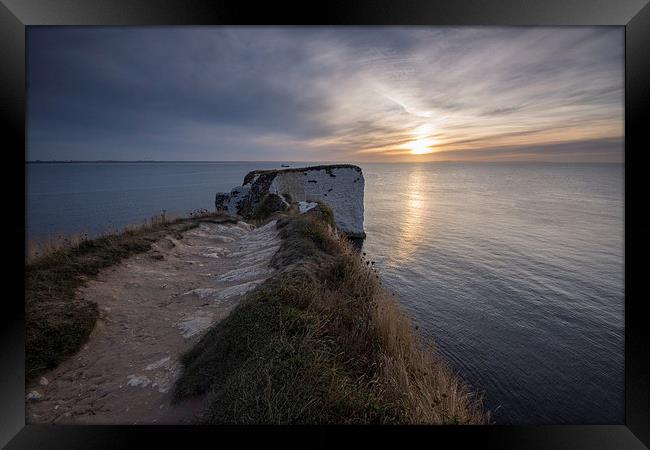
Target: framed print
x=367 y=218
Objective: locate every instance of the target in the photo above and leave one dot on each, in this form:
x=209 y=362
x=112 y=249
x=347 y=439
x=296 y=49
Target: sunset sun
x=420 y=146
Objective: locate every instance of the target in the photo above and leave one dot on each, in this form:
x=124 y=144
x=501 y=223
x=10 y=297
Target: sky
x=346 y=94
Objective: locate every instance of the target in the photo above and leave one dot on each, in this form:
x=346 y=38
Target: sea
x=514 y=271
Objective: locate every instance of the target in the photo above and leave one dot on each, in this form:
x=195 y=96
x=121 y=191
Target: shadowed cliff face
x=340 y=186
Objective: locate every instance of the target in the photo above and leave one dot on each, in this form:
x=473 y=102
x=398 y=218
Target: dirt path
x=153 y=307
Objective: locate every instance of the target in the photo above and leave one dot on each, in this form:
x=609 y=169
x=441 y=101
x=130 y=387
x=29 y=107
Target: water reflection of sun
x=411 y=228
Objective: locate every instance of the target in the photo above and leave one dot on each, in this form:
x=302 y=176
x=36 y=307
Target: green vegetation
x=269 y=204
x=58 y=321
x=321 y=342
x=325 y=213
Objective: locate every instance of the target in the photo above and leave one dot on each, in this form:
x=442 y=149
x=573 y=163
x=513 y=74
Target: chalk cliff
x=340 y=186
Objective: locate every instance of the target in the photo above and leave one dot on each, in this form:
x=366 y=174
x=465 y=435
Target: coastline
x=329 y=345
x=311 y=254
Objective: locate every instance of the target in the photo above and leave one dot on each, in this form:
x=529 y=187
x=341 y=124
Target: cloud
x=318 y=93
x=607 y=150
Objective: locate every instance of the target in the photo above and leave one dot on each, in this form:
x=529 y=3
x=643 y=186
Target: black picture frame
x=634 y=15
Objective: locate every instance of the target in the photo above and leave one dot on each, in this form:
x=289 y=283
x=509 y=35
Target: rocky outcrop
x=340 y=186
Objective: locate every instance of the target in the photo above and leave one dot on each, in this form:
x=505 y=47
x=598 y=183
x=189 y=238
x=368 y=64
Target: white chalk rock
x=303 y=207
x=138 y=380
x=34 y=396
x=340 y=186
x=237 y=196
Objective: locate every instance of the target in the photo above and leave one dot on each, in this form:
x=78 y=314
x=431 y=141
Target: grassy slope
x=322 y=342
x=58 y=321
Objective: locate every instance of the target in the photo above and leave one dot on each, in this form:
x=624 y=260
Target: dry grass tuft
x=40 y=249
x=322 y=342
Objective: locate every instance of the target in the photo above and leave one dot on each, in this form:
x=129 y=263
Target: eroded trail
x=153 y=307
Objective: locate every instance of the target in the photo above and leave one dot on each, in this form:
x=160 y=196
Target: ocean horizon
x=280 y=161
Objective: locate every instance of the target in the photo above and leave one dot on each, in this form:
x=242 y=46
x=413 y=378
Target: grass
x=58 y=321
x=269 y=204
x=322 y=342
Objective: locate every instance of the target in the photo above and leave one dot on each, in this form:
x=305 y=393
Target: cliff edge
x=340 y=186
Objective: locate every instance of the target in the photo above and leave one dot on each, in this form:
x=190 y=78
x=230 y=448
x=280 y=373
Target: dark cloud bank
x=302 y=93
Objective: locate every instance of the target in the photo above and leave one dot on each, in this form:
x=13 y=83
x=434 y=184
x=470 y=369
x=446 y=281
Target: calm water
x=515 y=271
